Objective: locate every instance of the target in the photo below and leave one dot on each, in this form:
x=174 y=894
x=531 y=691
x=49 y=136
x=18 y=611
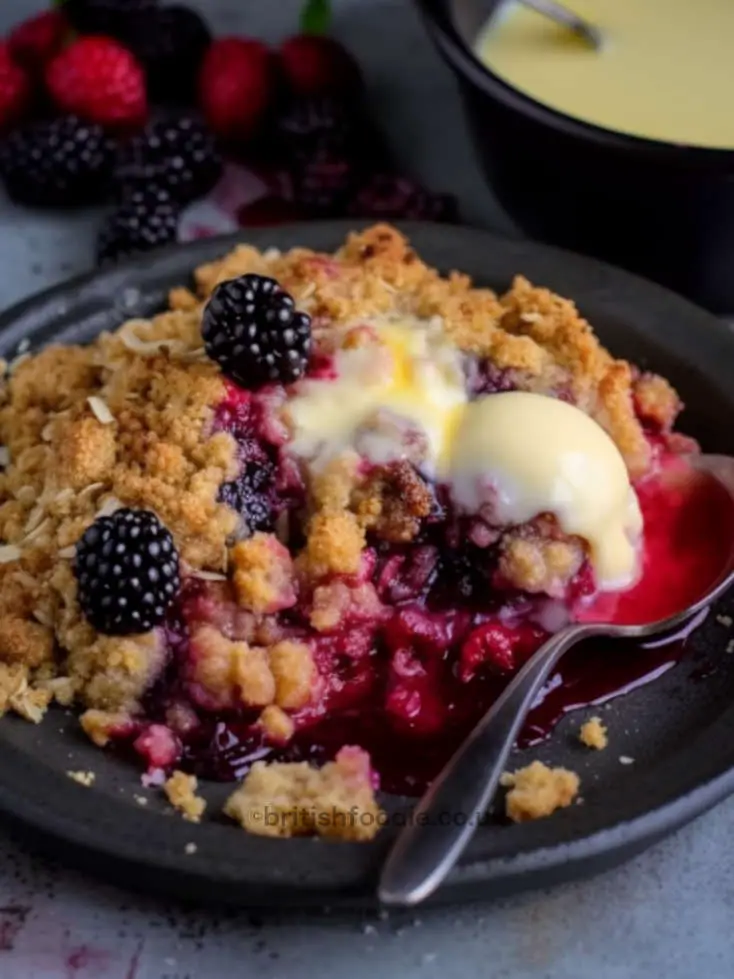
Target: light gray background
x=669 y=914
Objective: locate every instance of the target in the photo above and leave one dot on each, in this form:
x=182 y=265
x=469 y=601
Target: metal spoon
x=568 y=19
x=429 y=846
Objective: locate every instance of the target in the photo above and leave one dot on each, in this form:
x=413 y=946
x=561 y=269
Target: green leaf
x=316 y=17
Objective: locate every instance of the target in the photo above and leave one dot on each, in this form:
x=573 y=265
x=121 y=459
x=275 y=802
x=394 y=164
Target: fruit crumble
x=300 y=529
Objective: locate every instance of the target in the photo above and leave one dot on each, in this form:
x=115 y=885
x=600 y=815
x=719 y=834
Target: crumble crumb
x=180 y=789
x=294 y=799
x=593 y=734
x=141 y=800
x=334 y=545
x=725 y=620
x=294 y=670
x=393 y=502
x=190 y=849
x=276 y=724
x=230 y=673
x=537 y=791
x=83 y=778
x=730 y=646
x=626 y=760
x=263 y=574
x=100 y=725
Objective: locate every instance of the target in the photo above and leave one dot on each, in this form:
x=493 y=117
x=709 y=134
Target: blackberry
x=127 y=570
x=146 y=219
x=323 y=184
x=252 y=329
x=251 y=495
x=170 y=43
x=57 y=163
x=329 y=126
x=387 y=196
x=177 y=154
x=110 y=17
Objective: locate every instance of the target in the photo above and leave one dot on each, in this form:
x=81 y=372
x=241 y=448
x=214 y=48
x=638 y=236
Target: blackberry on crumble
x=57 y=163
x=127 y=571
x=252 y=329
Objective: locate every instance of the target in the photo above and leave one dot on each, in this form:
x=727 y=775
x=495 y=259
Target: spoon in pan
x=564 y=17
x=429 y=846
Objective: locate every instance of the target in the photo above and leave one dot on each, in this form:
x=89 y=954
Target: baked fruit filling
x=302 y=527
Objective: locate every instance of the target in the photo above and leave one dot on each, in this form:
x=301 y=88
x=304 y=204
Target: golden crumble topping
x=294 y=799
x=263 y=574
x=180 y=790
x=131 y=421
x=593 y=733
x=537 y=791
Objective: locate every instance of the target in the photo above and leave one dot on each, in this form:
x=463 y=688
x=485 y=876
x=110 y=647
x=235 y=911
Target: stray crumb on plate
x=190 y=849
x=626 y=760
x=181 y=791
x=594 y=734
x=83 y=778
x=730 y=646
x=725 y=620
x=141 y=800
x=537 y=791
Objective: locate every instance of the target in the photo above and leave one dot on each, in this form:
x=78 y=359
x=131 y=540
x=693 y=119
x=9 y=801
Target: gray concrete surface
x=668 y=914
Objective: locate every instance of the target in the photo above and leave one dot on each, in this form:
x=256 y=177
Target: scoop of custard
x=524 y=454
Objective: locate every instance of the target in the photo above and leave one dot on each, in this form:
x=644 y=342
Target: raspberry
x=15 y=90
x=98 y=79
x=111 y=17
x=127 y=570
x=146 y=219
x=252 y=330
x=235 y=87
x=176 y=154
x=35 y=41
x=387 y=196
x=62 y=162
x=170 y=43
x=501 y=647
x=485 y=377
x=317 y=65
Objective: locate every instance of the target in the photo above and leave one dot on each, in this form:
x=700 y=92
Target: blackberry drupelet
x=146 y=219
x=251 y=495
x=111 y=17
x=57 y=163
x=177 y=154
x=170 y=43
x=252 y=329
x=127 y=570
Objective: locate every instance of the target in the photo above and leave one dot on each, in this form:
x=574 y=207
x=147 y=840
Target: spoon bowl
x=430 y=845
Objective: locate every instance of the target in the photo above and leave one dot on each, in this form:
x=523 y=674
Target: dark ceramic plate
x=679 y=729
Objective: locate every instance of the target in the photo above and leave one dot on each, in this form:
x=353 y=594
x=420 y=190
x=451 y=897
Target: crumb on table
x=83 y=778
x=593 y=734
x=537 y=791
x=181 y=792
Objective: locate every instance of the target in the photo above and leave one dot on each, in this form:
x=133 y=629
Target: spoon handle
x=446 y=817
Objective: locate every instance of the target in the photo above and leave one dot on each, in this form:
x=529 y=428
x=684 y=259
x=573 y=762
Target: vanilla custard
x=665 y=71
